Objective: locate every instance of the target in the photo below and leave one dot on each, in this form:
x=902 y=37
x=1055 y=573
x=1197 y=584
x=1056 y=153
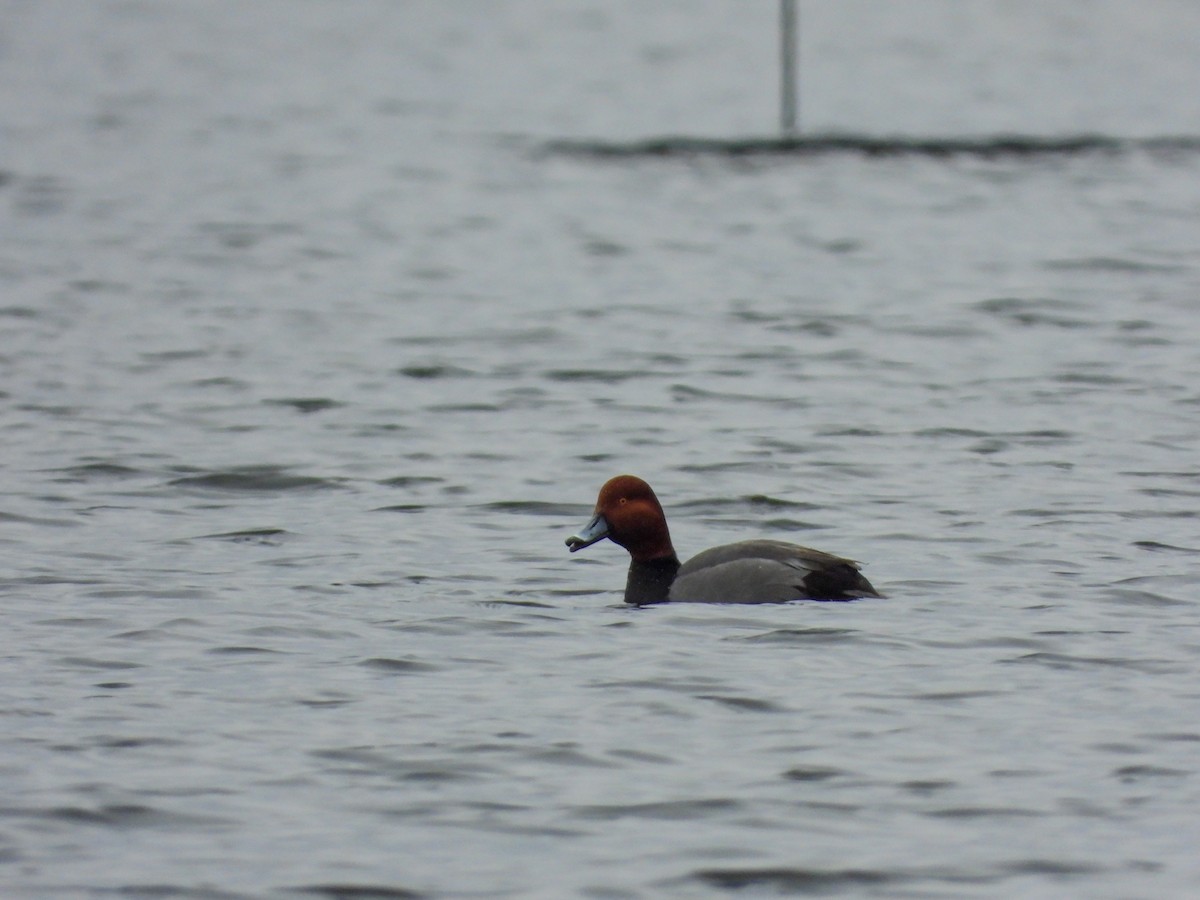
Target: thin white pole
x=789 y=102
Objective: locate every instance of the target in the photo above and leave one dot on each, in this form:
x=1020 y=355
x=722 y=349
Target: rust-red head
x=628 y=514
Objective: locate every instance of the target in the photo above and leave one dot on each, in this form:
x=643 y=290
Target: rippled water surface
x=311 y=354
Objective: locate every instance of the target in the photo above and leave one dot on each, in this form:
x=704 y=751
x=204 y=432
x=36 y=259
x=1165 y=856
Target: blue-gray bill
x=593 y=531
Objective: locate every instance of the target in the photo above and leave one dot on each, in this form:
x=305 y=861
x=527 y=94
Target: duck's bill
x=595 y=530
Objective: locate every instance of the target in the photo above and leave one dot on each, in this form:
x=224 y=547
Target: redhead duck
x=762 y=571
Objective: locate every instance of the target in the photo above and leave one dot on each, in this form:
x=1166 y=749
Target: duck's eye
x=623 y=501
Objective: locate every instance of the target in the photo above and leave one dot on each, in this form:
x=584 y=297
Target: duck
x=755 y=571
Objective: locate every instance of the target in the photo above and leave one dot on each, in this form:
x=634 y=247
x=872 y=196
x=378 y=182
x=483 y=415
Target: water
x=311 y=357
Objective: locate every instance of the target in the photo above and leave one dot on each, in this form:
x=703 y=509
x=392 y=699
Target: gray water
x=311 y=356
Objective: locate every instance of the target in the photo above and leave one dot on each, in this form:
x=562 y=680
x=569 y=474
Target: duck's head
x=628 y=514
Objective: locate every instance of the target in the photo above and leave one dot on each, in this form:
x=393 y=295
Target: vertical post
x=788 y=101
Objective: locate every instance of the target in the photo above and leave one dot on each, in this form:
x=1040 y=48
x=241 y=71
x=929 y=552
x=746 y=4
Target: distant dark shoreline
x=994 y=146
